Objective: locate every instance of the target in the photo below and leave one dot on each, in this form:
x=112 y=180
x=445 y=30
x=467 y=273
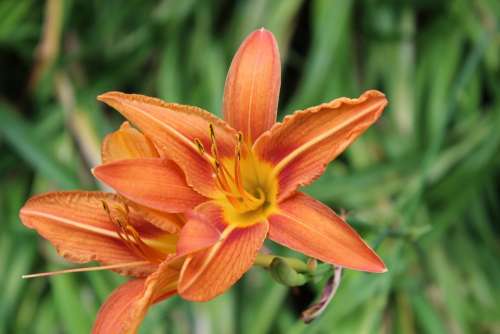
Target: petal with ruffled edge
x=253 y=84
x=208 y=273
x=76 y=223
x=174 y=128
x=126 y=307
x=302 y=146
x=310 y=227
x=155 y=183
x=127 y=143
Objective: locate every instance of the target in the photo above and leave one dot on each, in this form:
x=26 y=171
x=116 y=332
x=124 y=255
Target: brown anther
x=200 y=146
x=129 y=235
x=230 y=183
x=215 y=151
x=239 y=140
x=212 y=131
x=106 y=208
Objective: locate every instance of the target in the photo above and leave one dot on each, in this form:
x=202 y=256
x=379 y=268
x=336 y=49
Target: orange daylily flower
x=124 y=236
x=243 y=173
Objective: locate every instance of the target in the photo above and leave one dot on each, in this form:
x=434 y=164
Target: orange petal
x=310 y=227
x=209 y=273
x=253 y=84
x=79 y=228
x=152 y=182
x=169 y=222
x=127 y=306
x=302 y=146
x=197 y=234
x=173 y=128
x=127 y=143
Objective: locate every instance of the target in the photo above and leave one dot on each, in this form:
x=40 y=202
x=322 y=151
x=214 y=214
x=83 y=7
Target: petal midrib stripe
x=308 y=227
x=88 y=228
x=307 y=145
x=171 y=130
x=85 y=227
x=208 y=259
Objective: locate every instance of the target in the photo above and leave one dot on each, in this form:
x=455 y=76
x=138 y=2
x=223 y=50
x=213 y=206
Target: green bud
x=283 y=273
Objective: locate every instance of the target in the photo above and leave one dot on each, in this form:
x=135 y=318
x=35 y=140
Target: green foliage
x=422 y=186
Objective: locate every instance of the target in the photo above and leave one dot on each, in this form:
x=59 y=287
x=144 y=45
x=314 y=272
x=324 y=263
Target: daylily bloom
x=198 y=195
x=244 y=172
x=122 y=235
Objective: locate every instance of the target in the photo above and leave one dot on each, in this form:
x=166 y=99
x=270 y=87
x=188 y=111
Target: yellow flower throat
x=247 y=192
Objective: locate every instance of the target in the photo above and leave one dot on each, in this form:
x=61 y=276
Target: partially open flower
x=122 y=235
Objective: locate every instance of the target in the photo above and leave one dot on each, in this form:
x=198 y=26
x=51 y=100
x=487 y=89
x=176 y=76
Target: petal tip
x=376 y=95
x=103 y=97
x=379 y=267
x=373 y=93
x=109 y=96
x=96 y=171
x=263 y=38
x=23 y=213
x=260 y=31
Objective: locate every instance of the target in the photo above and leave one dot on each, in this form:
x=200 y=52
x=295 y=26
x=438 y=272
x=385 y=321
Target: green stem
x=264 y=260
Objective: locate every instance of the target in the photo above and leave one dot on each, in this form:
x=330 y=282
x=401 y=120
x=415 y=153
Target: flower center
x=246 y=191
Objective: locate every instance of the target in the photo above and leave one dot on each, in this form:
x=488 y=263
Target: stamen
x=223 y=184
x=215 y=151
x=129 y=235
x=237 y=173
x=213 y=163
x=200 y=146
x=237 y=166
x=231 y=183
x=79 y=270
x=224 y=173
x=218 y=168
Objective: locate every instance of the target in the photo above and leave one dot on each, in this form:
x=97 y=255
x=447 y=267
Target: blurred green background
x=422 y=186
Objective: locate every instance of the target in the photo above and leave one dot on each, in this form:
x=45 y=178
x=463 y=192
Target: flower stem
x=264 y=260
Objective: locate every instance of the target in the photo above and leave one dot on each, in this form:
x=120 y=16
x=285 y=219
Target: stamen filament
x=130 y=237
x=78 y=270
x=231 y=183
x=237 y=167
x=215 y=151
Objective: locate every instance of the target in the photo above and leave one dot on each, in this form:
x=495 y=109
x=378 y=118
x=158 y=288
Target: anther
x=200 y=146
x=239 y=140
x=129 y=235
x=212 y=131
x=105 y=207
x=215 y=151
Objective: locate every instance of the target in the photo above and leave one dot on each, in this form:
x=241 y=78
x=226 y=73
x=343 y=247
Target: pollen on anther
x=199 y=145
x=129 y=235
